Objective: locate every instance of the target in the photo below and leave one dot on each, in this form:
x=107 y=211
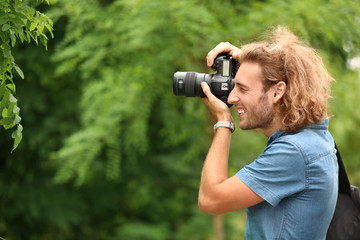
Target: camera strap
x=344 y=183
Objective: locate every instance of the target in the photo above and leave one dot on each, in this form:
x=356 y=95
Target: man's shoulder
x=310 y=142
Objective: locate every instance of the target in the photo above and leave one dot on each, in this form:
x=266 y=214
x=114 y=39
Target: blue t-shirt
x=297 y=176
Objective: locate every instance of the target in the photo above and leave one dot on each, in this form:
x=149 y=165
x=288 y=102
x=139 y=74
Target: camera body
x=188 y=84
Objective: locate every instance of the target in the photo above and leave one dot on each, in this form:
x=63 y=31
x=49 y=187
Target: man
x=281 y=90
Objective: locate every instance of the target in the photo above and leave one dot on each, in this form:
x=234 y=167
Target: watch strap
x=226 y=124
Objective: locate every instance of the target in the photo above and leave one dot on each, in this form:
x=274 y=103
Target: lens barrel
x=189 y=83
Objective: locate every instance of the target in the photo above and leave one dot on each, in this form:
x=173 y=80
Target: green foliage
x=18 y=21
x=100 y=113
x=116 y=122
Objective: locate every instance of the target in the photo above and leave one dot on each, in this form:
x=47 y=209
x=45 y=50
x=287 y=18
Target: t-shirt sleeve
x=277 y=173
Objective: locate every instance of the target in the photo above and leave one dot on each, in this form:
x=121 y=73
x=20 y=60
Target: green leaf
x=32 y=26
x=19 y=71
x=13 y=40
x=3 y=36
x=3 y=20
x=9 y=126
x=7 y=51
x=2 y=90
x=10 y=86
x=17 y=119
x=18 y=22
x=7 y=112
x=22 y=36
x=28 y=36
x=40 y=28
x=6 y=121
x=5 y=99
x=17 y=135
x=34 y=37
x=5 y=27
x=16 y=109
x=43 y=40
x=20 y=15
x=50 y=29
x=12 y=99
x=4 y=112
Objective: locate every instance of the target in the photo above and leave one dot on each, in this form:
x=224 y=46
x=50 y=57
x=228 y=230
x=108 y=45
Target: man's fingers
x=223 y=47
x=214 y=52
x=206 y=89
x=218 y=109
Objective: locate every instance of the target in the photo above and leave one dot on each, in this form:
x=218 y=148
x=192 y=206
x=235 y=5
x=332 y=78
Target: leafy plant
x=18 y=21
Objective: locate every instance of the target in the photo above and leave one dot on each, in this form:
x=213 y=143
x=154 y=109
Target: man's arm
x=219 y=194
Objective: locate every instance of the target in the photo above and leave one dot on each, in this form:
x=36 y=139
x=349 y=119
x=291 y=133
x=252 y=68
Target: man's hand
x=218 y=108
x=223 y=47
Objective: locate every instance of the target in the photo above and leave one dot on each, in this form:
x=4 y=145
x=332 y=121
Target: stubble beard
x=259 y=116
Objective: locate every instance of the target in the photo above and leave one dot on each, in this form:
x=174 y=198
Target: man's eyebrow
x=241 y=85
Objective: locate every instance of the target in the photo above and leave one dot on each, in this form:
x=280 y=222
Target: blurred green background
x=109 y=152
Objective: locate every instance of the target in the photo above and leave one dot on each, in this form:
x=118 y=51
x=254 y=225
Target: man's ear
x=279 y=91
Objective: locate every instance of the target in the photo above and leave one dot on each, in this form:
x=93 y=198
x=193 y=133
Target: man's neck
x=273 y=127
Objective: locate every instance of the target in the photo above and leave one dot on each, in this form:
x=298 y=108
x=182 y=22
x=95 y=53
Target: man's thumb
x=206 y=89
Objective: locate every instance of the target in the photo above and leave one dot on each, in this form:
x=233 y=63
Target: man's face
x=251 y=102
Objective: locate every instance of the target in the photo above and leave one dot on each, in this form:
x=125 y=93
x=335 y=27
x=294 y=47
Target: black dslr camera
x=189 y=83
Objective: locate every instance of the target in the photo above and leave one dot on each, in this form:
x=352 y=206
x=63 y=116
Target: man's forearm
x=215 y=169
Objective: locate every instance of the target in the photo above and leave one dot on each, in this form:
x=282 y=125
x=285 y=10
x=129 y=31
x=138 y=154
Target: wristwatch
x=229 y=125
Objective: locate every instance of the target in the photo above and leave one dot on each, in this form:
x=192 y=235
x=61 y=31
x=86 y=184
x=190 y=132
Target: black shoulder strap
x=344 y=183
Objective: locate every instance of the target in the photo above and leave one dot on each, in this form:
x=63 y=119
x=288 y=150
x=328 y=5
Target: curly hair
x=286 y=58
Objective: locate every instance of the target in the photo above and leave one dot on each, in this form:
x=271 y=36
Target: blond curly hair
x=286 y=58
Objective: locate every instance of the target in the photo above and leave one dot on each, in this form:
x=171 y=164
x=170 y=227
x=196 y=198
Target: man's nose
x=232 y=99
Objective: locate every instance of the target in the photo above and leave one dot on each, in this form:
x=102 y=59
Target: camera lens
x=189 y=83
